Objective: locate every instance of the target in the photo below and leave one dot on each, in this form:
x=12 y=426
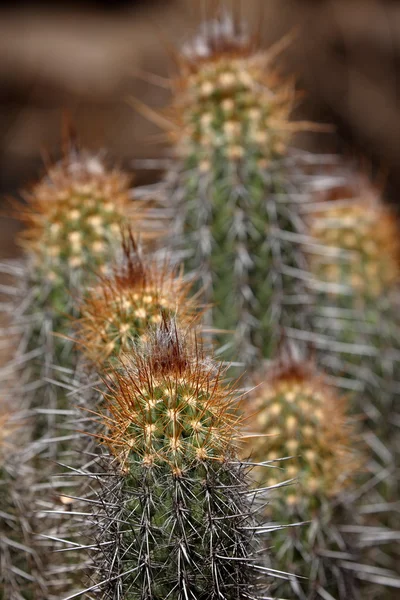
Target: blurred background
x=88 y=57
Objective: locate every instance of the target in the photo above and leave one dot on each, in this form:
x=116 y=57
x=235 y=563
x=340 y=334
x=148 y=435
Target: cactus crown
x=168 y=404
x=124 y=304
x=366 y=233
x=298 y=415
x=226 y=101
x=73 y=214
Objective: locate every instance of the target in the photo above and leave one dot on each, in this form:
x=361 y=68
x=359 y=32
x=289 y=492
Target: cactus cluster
x=165 y=484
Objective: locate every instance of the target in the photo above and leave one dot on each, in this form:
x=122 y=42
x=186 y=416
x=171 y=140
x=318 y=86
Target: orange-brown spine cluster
x=136 y=295
x=168 y=403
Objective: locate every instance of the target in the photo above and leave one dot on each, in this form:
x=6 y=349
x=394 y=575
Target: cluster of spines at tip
x=168 y=403
x=73 y=215
x=137 y=294
x=227 y=104
x=296 y=414
x=364 y=232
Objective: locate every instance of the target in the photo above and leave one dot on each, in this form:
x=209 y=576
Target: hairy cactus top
x=296 y=414
x=73 y=214
x=225 y=100
x=124 y=304
x=168 y=404
x=366 y=235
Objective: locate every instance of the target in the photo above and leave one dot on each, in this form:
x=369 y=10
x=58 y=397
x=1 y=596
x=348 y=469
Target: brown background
x=346 y=56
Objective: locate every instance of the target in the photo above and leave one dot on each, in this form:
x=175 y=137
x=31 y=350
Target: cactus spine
x=176 y=521
x=296 y=414
x=234 y=184
x=21 y=569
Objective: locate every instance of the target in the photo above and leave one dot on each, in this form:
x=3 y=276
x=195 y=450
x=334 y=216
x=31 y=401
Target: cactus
x=175 y=520
x=356 y=269
x=294 y=413
x=73 y=216
x=117 y=310
x=355 y=328
x=355 y=325
x=133 y=297
x=235 y=185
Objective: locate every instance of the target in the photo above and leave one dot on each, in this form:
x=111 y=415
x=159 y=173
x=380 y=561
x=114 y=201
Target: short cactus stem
x=295 y=414
x=234 y=184
x=171 y=425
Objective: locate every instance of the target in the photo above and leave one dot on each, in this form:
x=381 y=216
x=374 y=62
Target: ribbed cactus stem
x=73 y=217
x=296 y=414
x=236 y=222
x=177 y=520
x=356 y=327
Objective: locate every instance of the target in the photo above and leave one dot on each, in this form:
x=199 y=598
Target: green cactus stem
x=174 y=517
x=235 y=186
